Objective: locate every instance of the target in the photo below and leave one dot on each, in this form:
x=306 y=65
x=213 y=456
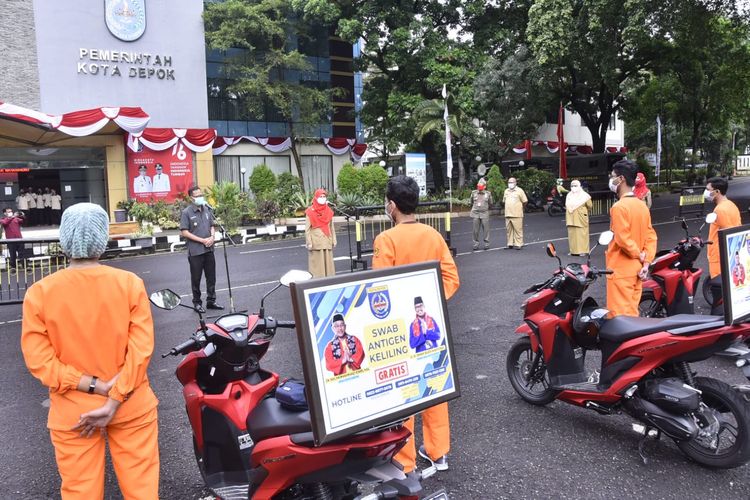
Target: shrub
x=267 y=209
x=348 y=181
x=262 y=181
x=496 y=184
x=532 y=179
x=287 y=190
x=373 y=179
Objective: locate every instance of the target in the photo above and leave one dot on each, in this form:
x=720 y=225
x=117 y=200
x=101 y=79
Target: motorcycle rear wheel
x=649 y=307
x=732 y=415
x=518 y=364
x=555 y=210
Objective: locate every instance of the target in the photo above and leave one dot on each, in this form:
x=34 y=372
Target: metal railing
x=692 y=201
x=369 y=222
x=602 y=201
x=36 y=258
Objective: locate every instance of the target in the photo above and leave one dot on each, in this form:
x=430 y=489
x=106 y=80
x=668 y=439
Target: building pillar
x=117 y=174
x=204 y=169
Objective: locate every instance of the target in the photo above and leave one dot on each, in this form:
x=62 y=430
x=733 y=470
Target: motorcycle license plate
x=441 y=494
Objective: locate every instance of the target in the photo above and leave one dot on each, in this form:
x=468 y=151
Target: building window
x=318 y=171
x=613 y=122
x=228 y=168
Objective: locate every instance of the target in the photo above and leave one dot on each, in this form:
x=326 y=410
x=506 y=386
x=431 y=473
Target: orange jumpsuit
x=409 y=243
x=727 y=215
x=631 y=223
x=95 y=321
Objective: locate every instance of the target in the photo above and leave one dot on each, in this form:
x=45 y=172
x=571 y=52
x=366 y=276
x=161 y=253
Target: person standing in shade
x=12 y=223
x=56 y=206
x=577 y=206
x=481 y=199
x=39 y=212
x=320 y=237
x=47 y=197
x=727 y=215
x=409 y=242
x=641 y=190
x=21 y=192
x=31 y=199
x=515 y=200
x=634 y=244
x=197 y=227
x=22 y=201
x=87 y=334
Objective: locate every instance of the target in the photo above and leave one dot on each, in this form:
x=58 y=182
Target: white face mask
x=322 y=200
x=511 y=185
x=575 y=189
x=709 y=195
x=613 y=184
x=389 y=215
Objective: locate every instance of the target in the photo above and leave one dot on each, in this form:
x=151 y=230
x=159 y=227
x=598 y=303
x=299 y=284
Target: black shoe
x=518 y=248
x=509 y=247
x=199 y=308
x=214 y=305
x=475 y=249
x=487 y=248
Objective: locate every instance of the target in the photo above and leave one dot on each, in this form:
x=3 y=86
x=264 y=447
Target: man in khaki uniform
x=481 y=199
x=514 y=199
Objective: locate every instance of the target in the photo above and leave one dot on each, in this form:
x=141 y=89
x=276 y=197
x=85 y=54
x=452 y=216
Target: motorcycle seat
x=269 y=419
x=622 y=328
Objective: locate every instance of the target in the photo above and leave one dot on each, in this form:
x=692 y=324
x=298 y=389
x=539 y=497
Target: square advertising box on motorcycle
x=734 y=255
x=395 y=358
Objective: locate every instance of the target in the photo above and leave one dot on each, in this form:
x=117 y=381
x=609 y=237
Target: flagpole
x=448 y=155
x=658 y=149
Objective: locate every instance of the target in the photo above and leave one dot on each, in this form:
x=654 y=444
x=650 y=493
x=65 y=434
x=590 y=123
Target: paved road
x=502 y=447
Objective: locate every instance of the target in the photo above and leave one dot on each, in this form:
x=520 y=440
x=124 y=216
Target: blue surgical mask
x=199 y=200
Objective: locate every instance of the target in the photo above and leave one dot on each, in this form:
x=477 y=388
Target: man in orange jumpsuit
x=87 y=334
x=409 y=242
x=634 y=245
x=344 y=353
x=727 y=215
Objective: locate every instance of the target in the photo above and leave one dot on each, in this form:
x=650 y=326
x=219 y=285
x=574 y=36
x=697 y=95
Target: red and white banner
x=160 y=175
x=160 y=139
x=336 y=145
x=81 y=123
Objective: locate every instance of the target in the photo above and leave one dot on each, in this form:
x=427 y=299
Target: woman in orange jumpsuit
x=409 y=242
x=88 y=335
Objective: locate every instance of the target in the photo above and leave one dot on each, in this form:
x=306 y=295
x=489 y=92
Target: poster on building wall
x=416 y=168
x=375 y=346
x=160 y=175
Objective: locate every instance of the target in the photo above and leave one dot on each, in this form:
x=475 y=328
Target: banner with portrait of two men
x=375 y=346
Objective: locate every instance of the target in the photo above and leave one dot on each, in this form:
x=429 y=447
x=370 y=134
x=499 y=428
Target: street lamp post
x=243 y=171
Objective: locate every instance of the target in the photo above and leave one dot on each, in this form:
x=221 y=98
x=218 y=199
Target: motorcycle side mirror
x=294 y=276
x=684 y=225
x=551 y=250
x=711 y=218
x=606 y=238
x=165 y=299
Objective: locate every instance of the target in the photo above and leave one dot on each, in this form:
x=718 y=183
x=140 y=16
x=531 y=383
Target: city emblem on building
x=126 y=19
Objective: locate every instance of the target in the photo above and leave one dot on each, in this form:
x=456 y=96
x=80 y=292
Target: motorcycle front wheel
x=724 y=421
x=534 y=387
x=649 y=307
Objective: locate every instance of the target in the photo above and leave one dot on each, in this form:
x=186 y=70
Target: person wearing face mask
x=634 y=244
x=197 y=227
x=12 y=222
x=320 y=237
x=727 y=215
x=409 y=242
x=514 y=199
x=577 y=206
x=481 y=199
x=641 y=190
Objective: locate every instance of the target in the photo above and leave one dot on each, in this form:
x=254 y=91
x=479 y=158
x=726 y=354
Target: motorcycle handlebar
x=285 y=324
x=180 y=348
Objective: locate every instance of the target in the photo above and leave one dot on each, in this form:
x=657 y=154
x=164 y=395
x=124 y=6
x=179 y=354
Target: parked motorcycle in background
x=673 y=280
x=556 y=204
x=247 y=445
x=645 y=366
x=536 y=202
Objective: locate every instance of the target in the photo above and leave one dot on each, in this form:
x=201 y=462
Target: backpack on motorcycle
x=291 y=395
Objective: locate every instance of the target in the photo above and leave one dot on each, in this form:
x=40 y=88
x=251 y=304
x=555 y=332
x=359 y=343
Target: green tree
x=373 y=179
x=496 y=183
x=268 y=70
x=262 y=181
x=288 y=188
x=348 y=181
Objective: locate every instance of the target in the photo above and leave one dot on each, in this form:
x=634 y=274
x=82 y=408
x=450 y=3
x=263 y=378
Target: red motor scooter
x=673 y=281
x=645 y=367
x=249 y=446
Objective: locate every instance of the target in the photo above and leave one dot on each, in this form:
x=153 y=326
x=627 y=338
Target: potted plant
x=144 y=214
x=123 y=210
x=229 y=205
x=268 y=210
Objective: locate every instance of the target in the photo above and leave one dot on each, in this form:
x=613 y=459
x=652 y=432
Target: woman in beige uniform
x=320 y=236
x=577 y=204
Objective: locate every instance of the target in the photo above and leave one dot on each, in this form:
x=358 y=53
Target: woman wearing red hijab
x=641 y=190
x=320 y=236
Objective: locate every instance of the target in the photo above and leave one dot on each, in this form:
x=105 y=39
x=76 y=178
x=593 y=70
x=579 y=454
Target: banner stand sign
x=376 y=347
x=734 y=254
